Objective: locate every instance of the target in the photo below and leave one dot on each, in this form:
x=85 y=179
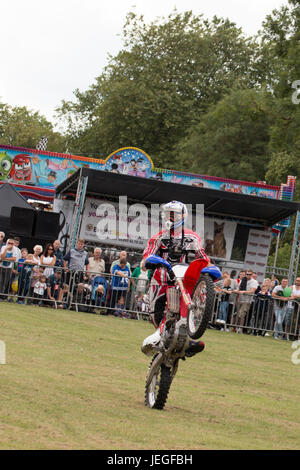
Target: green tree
x=231 y=139
x=283 y=256
x=281 y=34
x=166 y=76
x=24 y=128
x=280 y=166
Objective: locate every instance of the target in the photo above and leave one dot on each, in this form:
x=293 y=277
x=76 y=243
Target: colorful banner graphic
x=47 y=170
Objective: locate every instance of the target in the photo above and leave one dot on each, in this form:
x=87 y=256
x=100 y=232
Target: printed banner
x=48 y=170
x=219 y=237
x=111 y=223
x=257 y=252
x=130 y=226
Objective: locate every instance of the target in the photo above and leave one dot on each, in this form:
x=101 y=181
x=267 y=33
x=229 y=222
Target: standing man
x=96 y=264
x=251 y=317
x=77 y=258
x=280 y=308
x=58 y=254
x=8 y=256
x=78 y=262
x=290 y=311
x=246 y=290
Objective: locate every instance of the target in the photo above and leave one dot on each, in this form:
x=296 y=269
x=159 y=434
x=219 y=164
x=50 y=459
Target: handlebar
x=177 y=247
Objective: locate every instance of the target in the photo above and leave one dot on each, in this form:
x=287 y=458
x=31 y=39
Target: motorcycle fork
x=185 y=301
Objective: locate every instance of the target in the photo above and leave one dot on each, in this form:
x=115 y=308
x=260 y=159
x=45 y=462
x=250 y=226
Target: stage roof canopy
x=254 y=209
x=10 y=198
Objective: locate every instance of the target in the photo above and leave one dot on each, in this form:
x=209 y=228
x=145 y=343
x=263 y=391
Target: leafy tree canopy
x=231 y=140
x=159 y=85
x=21 y=127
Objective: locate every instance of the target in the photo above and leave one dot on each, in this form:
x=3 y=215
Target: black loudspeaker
x=22 y=221
x=46 y=225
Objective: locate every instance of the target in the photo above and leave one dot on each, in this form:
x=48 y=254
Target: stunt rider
x=174 y=214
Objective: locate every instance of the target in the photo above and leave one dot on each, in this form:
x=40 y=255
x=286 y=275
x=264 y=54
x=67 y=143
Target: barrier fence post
x=295 y=247
x=2 y=352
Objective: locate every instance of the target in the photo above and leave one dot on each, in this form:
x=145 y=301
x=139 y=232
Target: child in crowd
x=39 y=290
x=224 y=302
x=120 y=309
x=81 y=297
x=141 y=303
x=24 y=256
x=38 y=272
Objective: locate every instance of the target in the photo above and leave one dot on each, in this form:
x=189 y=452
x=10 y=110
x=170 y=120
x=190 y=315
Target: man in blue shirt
x=120 y=282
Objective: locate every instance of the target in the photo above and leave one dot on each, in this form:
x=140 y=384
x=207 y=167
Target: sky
x=50 y=48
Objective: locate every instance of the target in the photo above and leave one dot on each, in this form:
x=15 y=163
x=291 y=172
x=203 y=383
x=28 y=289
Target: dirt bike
x=190 y=301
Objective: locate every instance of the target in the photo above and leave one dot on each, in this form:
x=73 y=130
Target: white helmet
x=174 y=214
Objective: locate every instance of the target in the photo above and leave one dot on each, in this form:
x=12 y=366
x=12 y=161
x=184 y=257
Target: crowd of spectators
x=78 y=279
x=81 y=280
x=243 y=305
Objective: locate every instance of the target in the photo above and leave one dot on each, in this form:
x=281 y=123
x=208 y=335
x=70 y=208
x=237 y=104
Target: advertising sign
x=258 y=251
x=115 y=223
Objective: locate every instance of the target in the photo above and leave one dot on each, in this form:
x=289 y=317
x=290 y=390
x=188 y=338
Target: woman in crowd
x=37 y=251
x=48 y=259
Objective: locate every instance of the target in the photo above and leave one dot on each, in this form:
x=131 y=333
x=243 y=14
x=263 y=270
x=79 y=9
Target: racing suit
x=158 y=245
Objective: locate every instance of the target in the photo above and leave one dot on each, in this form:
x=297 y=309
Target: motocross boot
x=150 y=344
x=194 y=348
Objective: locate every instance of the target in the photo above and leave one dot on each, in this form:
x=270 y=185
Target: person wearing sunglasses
x=48 y=259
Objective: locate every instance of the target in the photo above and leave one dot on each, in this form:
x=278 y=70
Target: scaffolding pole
x=294 y=260
x=78 y=209
x=276 y=251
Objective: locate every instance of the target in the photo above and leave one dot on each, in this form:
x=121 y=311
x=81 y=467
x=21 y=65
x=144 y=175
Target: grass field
x=76 y=381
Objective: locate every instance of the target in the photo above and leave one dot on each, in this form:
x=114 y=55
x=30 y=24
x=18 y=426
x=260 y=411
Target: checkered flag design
x=42 y=145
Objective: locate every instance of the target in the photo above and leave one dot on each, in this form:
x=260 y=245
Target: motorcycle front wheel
x=201 y=309
x=158 y=382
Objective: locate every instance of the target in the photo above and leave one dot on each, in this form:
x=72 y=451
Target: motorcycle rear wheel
x=203 y=299
x=158 y=382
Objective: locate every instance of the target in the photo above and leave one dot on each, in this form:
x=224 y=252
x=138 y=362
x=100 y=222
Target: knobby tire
x=209 y=305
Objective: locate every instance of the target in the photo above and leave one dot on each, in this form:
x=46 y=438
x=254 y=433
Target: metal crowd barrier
x=259 y=316
x=77 y=290
x=100 y=293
